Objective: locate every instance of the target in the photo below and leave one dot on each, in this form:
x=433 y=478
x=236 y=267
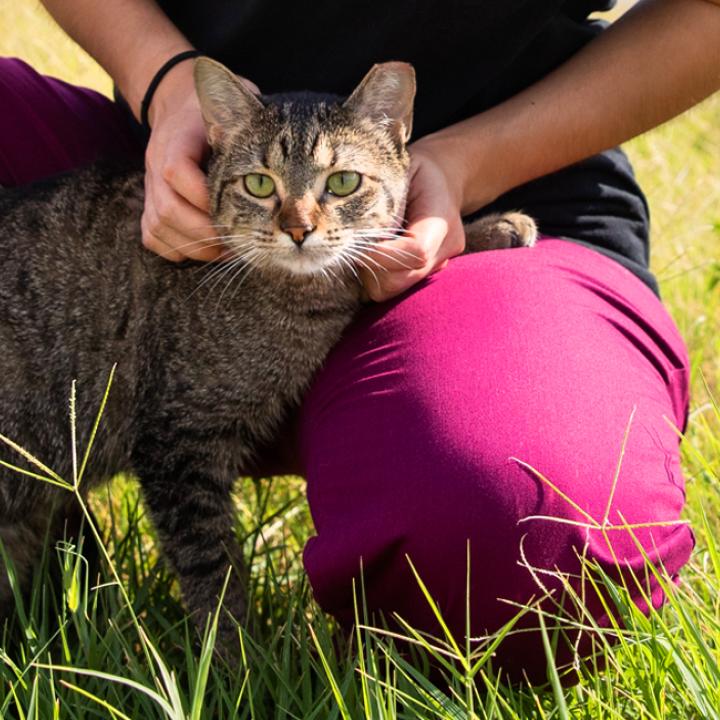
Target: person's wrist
x=134 y=75
x=474 y=161
x=175 y=92
x=445 y=153
x=168 y=66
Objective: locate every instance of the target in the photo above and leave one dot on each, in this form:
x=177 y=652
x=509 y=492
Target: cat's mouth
x=310 y=257
x=335 y=256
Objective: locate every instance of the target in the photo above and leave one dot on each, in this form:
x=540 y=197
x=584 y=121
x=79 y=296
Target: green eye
x=343 y=183
x=259 y=185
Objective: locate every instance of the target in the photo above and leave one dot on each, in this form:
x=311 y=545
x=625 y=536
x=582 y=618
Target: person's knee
x=414 y=491
x=485 y=536
x=49 y=126
x=445 y=424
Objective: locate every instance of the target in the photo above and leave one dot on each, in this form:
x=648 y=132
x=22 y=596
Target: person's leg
x=418 y=434
x=48 y=126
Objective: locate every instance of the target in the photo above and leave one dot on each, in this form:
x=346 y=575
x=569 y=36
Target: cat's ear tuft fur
x=386 y=96
x=225 y=100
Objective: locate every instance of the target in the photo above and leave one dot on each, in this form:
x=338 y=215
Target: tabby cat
x=209 y=357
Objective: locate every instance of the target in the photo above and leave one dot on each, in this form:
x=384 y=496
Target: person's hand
x=175 y=222
x=434 y=231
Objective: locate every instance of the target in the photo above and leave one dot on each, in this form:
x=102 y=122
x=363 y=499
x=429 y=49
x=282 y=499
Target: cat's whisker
x=360 y=261
x=241 y=259
x=342 y=260
x=209 y=225
x=220 y=269
x=250 y=231
x=196 y=243
x=372 y=228
x=383 y=249
x=386 y=249
x=212 y=226
x=222 y=261
x=388 y=255
x=382 y=232
x=378 y=239
x=357 y=252
x=397 y=257
x=222 y=273
x=330 y=269
x=217 y=271
x=245 y=236
x=250 y=267
x=370 y=270
x=227 y=237
x=246 y=267
x=379 y=227
x=325 y=273
x=239 y=284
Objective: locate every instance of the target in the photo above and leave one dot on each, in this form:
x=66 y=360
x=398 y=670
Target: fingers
x=175 y=222
x=394 y=266
x=381 y=286
x=176 y=229
x=185 y=177
x=434 y=232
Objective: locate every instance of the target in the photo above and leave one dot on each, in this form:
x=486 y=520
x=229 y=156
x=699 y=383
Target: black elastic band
x=157 y=79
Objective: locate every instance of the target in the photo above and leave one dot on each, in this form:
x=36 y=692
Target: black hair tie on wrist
x=157 y=79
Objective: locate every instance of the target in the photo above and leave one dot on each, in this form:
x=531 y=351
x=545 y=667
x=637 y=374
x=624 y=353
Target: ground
x=132 y=627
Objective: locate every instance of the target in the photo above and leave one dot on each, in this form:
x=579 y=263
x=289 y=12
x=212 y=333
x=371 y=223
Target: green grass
x=295 y=664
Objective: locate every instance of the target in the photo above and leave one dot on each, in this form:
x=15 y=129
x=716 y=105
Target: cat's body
x=206 y=369
x=200 y=380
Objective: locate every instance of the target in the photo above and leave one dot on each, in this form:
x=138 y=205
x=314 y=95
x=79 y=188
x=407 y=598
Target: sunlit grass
x=294 y=664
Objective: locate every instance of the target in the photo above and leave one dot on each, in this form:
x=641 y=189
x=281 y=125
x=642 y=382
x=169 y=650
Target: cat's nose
x=298 y=233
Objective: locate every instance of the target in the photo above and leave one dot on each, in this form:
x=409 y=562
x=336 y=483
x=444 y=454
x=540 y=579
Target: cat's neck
x=332 y=282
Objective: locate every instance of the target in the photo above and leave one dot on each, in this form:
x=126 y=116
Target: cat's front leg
x=190 y=503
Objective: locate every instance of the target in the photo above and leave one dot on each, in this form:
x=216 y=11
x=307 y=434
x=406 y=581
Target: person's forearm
x=652 y=64
x=131 y=39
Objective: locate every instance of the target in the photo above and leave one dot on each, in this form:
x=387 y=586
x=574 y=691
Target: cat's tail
x=499 y=231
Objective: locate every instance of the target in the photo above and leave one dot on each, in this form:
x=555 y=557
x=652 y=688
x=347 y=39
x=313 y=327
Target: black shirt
x=468 y=54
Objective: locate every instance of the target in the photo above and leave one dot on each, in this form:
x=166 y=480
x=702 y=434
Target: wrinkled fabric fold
x=513 y=403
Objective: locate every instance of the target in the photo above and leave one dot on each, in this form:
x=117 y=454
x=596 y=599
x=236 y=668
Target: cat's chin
x=303 y=264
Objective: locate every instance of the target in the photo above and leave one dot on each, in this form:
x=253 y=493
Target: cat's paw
x=500 y=231
x=518 y=228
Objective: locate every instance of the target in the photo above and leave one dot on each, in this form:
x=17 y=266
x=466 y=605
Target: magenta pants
x=429 y=428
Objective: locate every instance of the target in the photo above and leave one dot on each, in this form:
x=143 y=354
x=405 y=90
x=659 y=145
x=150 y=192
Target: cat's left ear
x=227 y=104
x=386 y=95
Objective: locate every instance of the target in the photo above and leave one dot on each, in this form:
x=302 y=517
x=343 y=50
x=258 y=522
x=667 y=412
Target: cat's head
x=304 y=183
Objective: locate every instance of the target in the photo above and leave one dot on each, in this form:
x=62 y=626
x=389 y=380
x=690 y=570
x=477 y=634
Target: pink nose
x=298 y=233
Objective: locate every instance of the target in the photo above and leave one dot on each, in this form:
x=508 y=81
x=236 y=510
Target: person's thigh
x=48 y=126
x=420 y=432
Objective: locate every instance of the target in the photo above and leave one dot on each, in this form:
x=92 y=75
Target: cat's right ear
x=225 y=101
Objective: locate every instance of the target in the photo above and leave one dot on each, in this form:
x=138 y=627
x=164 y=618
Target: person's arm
x=132 y=39
x=656 y=61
